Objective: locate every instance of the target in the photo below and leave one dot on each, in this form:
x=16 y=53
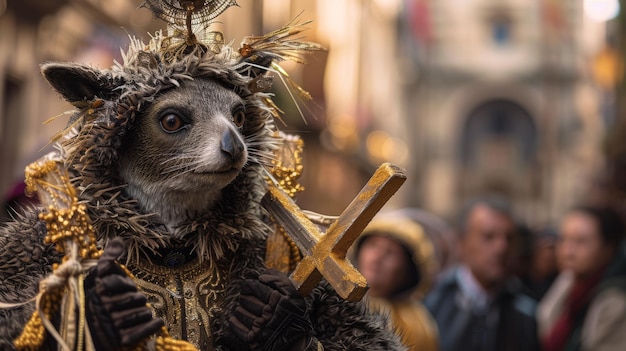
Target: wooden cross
x=325 y=253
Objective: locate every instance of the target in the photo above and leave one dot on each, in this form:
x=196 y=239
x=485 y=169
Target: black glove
x=116 y=311
x=270 y=315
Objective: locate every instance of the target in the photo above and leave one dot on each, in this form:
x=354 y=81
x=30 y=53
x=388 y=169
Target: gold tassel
x=69 y=228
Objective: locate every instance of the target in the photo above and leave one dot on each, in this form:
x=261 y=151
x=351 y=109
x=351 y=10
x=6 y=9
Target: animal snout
x=232 y=145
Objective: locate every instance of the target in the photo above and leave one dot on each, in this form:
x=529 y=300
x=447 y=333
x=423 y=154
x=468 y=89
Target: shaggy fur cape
x=230 y=238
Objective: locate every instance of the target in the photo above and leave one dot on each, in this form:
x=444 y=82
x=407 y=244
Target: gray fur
x=188 y=168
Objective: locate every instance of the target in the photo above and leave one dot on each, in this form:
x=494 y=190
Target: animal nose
x=231 y=144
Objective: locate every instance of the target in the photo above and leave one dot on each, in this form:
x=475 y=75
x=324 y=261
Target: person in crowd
x=523 y=238
x=439 y=233
x=478 y=305
x=542 y=266
x=397 y=259
x=585 y=309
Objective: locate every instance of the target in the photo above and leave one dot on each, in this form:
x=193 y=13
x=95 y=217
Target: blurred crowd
x=489 y=283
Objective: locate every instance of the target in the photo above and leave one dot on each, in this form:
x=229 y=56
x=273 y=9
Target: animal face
x=171 y=135
x=185 y=147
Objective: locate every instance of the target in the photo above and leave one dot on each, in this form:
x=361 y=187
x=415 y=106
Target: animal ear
x=77 y=83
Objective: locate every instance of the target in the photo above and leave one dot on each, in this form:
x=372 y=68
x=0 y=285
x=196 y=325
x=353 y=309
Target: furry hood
x=109 y=102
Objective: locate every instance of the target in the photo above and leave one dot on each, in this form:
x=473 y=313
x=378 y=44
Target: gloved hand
x=117 y=313
x=270 y=315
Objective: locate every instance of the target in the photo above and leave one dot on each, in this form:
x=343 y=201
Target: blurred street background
x=520 y=98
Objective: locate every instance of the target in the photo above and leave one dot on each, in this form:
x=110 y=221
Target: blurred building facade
x=478 y=97
x=506 y=103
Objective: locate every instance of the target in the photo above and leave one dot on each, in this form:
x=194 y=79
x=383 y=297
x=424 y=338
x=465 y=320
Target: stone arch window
x=499 y=136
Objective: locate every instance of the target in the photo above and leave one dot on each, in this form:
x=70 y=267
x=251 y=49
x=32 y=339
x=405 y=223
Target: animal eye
x=239 y=117
x=172 y=123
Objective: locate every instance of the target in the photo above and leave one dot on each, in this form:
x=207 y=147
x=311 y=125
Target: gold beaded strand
x=288 y=167
x=68 y=224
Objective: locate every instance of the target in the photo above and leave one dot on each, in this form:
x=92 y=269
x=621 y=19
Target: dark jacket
x=507 y=325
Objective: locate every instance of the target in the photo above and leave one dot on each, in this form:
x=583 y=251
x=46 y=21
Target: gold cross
x=325 y=253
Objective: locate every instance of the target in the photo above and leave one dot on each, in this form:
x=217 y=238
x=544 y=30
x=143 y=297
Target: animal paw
x=117 y=313
x=270 y=315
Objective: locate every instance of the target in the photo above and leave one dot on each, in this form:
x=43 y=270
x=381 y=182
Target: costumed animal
x=162 y=239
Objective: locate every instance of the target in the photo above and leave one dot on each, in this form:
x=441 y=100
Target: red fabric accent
x=420 y=21
x=16 y=192
x=578 y=299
